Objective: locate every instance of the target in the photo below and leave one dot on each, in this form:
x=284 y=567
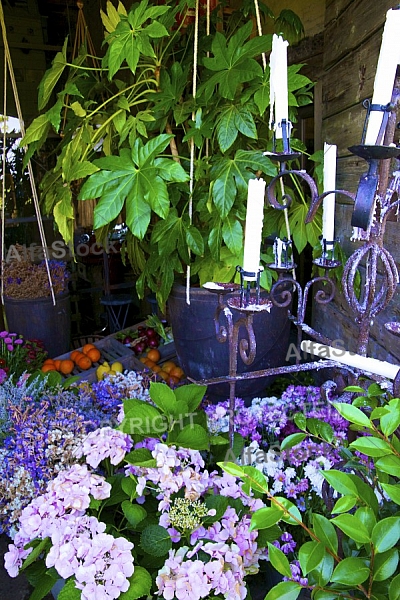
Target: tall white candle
x=389 y=58
x=328 y=215
x=254 y=224
x=370 y=365
x=278 y=88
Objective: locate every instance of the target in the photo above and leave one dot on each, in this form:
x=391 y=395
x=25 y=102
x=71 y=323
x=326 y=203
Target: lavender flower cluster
x=295 y=473
x=42 y=429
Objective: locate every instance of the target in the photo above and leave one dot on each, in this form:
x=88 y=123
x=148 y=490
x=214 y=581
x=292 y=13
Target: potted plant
x=173 y=158
x=28 y=301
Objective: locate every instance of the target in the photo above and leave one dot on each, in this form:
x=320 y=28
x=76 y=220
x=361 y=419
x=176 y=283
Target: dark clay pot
x=203 y=357
x=38 y=318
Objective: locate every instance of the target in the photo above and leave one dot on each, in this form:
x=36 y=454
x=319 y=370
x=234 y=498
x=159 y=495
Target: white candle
x=254 y=224
x=389 y=58
x=278 y=87
x=328 y=215
x=370 y=365
x=278 y=247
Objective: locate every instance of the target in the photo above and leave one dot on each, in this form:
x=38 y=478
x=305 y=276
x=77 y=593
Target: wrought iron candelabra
x=377 y=196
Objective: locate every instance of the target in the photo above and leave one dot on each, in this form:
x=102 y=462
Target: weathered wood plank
x=334 y=8
x=360 y=20
x=344 y=129
x=351 y=80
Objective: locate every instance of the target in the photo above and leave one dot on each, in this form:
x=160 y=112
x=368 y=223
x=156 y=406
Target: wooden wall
x=352 y=38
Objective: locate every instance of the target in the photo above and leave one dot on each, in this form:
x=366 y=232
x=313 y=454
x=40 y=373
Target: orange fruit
x=168 y=366
x=57 y=363
x=177 y=372
x=143 y=359
x=78 y=354
x=74 y=354
x=163 y=374
x=94 y=354
x=84 y=362
x=67 y=366
x=172 y=381
x=48 y=367
x=156 y=369
x=48 y=361
x=87 y=347
x=149 y=363
x=154 y=355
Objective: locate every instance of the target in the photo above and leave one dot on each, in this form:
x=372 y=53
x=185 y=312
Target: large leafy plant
x=131 y=126
x=354 y=551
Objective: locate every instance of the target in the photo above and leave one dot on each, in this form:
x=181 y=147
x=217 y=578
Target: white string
x=192 y=147
x=30 y=170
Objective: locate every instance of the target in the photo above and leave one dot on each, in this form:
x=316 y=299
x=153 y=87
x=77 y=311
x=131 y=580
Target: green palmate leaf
x=297 y=216
x=232 y=234
x=139 y=585
x=37 y=130
x=279 y=561
x=310 y=556
x=341 y=482
x=344 y=504
x=193 y=436
x=352 y=414
x=80 y=170
x=350 y=571
x=52 y=76
x=353 y=527
x=194 y=240
x=231 y=176
x=134 y=513
x=371 y=446
x=394 y=588
x=393 y=491
x=385 y=564
x=292 y=440
x=155 y=540
x=325 y=532
x=69 y=591
x=286 y=590
x=386 y=534
x=232 y=121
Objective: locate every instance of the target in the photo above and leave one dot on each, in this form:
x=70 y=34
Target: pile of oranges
x=83 y=359
x=169 y=371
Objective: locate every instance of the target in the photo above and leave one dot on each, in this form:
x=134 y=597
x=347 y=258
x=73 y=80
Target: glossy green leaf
x=286 y=590
x=385 y=564
x=367 y=516
x=393 y=491
x=310 y=556
x=350 y=571
x=394 y=588
x=279 y=561
x=292 y=515
x=325 y=532
x=69 y=591
x=341 y=482
x=232 y=469
x=389 y=464
x=292 y=440
x=323 y=571
x=386 y=534
x=353 y=527
x=391 y=420
x=352 y=414
x=371 y=446
x=265 y=517
x=344 y=504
